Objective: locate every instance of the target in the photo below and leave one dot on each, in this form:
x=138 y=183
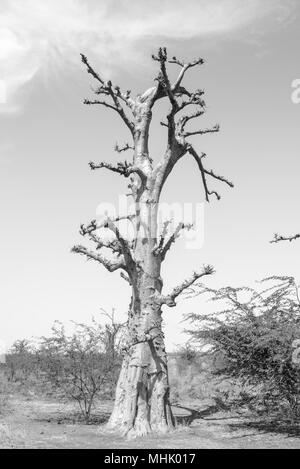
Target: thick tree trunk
x=142 y=395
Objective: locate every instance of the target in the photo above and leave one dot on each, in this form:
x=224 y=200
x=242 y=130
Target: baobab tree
x=142 y=396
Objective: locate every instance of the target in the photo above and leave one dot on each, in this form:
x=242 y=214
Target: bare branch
x=184 y=119
x=102 y=103
x=173 y=238
x=176 y=136
x=162 y=248
x=114 y=245
x=164 y=83
x=278 y=238
x=219 y=178
x=184 y=68
x=160 y=244
x=160 y=91
x=125 y=169
x=126 y=278
x=126 y=248
x=124 y=148
x=93 y=226
x=169 y=300
x=163 y=78
x=205 y=173
x=107 y=89
x=198 y=160
x=120 y=110
x=125 y=97
x=195 y=99
x=110 y=265
x=91 y=70
x=214 y=129
x=121 y=168
x=120 y=245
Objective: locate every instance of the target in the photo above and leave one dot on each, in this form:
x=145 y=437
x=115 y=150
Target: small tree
x=255 y=337
x=20 y=361
x=113 y=335
x=142 y=397
x=81 y=366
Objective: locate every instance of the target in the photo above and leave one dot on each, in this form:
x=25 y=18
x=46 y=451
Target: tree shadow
x=75 y=418
x=275 y=426
x=192 y=414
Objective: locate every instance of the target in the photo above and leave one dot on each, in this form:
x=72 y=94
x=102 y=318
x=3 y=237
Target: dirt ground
x=32 y=423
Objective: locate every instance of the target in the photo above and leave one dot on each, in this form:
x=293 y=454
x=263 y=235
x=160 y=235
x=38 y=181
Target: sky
x=47 y=138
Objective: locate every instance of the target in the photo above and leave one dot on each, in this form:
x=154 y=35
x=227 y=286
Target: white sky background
x=47 y=138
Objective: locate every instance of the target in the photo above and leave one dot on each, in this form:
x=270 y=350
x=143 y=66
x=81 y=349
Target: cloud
x=40 y=36
x=194 y=18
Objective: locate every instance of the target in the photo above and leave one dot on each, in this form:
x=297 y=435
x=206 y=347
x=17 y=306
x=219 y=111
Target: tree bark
x=142 y=396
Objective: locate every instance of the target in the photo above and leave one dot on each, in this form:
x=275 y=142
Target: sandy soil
x=33 y=423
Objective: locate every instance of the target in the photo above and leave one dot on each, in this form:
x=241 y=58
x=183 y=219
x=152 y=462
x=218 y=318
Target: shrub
x=254 y=336
x=79 y=367
x=83 y=365
x=20 y=361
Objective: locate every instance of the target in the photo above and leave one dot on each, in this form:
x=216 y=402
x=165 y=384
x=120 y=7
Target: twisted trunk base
x=142 y=396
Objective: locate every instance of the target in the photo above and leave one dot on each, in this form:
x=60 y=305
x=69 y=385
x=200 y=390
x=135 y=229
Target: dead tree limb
x=278 y=238
x=169 y=300
x=110 y=265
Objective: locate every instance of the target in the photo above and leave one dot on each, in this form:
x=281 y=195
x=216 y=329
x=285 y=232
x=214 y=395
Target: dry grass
x=37 y=423
x=29 y=420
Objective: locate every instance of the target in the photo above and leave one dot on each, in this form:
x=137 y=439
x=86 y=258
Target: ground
x=39 y=423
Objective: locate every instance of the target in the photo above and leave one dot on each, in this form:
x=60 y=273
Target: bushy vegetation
x=246 y=354
x=78 y=367
x=253 y=339
x=21 y=362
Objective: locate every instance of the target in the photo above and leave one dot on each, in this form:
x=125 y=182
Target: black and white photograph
x=150 y=228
